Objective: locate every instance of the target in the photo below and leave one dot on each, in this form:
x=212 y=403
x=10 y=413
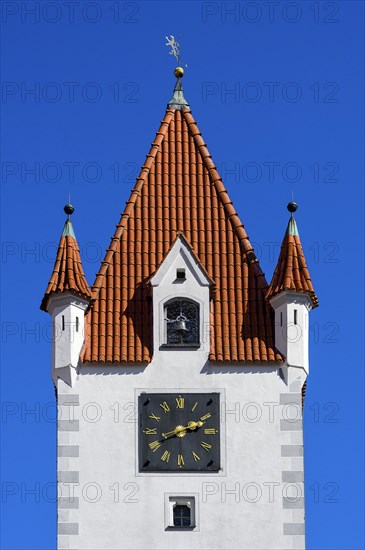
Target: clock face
x=179 y=432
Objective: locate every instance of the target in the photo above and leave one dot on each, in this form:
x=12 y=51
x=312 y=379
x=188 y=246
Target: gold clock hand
x=173 y=432
x=193 y=425
x=181 y=429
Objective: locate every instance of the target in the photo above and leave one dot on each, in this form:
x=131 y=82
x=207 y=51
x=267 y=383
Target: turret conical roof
x=291 y=272
x=68 y=273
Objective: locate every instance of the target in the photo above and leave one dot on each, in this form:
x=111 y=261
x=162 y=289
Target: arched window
x=182 y=322
x=182 y=516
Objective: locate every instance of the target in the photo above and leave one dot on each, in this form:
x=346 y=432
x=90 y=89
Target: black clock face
x=179 y=432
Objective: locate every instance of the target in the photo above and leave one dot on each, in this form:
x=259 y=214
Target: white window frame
x=186 y=499
x=195 y=301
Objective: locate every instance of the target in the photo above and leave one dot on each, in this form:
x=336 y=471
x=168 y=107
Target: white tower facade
x=292 y=327
x=68 y=315
x=179 y=395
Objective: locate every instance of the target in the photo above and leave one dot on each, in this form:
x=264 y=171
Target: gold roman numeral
x=154 y=417
x=195 y=456
x=165 y=407
x=193 y=409
x=208 y=415
x=154 y=445
x=180 y=460
x=210 y=431
x=180 y=402
x=166 y=456
x=205 y=446
x=151 y=431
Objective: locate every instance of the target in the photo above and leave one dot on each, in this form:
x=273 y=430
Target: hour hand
x=180 y=431
x=168 y=434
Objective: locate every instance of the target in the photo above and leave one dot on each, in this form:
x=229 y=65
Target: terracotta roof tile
x=179 y=190
x=68 y=274
x=291 y=272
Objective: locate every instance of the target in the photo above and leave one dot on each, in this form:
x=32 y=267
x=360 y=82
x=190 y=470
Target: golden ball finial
x=179 y=72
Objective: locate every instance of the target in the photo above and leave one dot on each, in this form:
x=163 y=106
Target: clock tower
x=179 y=374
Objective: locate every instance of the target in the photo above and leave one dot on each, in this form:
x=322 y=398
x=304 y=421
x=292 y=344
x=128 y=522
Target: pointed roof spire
x=68 y=274
x=178 y=100
x=291 y=272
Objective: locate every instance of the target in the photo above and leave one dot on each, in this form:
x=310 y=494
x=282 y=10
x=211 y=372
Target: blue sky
x=276 y=89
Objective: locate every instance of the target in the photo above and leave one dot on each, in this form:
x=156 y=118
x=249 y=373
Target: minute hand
x=191 y=426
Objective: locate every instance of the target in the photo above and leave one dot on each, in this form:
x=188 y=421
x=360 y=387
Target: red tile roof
x=179 y=190
x=291 y=272
x=68 y=274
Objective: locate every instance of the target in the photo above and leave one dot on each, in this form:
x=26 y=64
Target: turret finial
x=292 y=207
x=68 y=230
x=68 y=209
x=292 y=226
x=179 y=72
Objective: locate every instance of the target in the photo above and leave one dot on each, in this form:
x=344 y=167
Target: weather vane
x=175 y=51
x=175 y=48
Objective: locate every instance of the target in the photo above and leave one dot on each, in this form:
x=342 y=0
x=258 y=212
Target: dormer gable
x=181 y=253
x=181 y=298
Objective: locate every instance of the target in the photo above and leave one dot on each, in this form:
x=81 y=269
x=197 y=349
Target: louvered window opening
x=182 y=322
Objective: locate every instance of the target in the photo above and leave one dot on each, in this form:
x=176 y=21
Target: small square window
x=180 y=273
x=180 y=513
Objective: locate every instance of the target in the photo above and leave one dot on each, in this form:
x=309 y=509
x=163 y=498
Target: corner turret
x=292 y=296
x=66 y=299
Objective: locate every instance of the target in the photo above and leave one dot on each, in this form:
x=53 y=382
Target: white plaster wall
x=292 y=339
x=67 y=343
x=129 y=508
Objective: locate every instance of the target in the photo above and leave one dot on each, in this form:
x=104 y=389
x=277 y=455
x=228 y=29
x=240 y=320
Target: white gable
x=180 y=257
x=180 y=276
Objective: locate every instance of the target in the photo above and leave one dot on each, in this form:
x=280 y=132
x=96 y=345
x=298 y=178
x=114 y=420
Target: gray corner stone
x=293 y=503
x=292 y=477
x=68 y=503
x=68 y=477
x=294 y=528
x=68 y=450
x=65 y=399
x=291 y=450
x=68 y=425
x=68 y=528
x=290 y=425
x=291 y=398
